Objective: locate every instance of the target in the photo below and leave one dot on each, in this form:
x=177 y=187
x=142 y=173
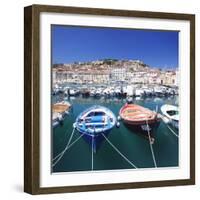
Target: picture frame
x=34 y=76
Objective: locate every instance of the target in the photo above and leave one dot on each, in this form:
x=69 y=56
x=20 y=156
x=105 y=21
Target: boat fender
x=118 y=124
x=118 y=118
x=152 y=140
x=74 y=125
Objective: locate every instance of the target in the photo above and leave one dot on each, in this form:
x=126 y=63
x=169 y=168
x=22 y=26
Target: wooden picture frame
x=32 y=106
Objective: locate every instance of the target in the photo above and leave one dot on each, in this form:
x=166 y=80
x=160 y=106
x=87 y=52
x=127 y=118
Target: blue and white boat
x=93 y=122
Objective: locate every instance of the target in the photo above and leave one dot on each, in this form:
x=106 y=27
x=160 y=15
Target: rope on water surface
x=65 y=146
x=60 y=155
x=92 y=152
x=117 y=150
x=172 y=131
x=151 y=147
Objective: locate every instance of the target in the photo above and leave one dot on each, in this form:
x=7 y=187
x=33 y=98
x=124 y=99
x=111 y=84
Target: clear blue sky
x=78 y=44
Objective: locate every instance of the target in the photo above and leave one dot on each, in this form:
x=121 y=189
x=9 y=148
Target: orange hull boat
x=133 y=114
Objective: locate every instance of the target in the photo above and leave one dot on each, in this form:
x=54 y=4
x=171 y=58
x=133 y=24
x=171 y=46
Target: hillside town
x=111 y=71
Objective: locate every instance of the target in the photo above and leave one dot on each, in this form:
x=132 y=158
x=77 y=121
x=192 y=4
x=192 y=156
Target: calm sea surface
x=135 y=147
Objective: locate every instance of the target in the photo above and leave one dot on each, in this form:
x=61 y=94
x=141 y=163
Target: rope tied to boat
x=172 y=131
x=61 y=154
x=117 y=150
x=166 y=123
x=92 y=152
x=151 y=147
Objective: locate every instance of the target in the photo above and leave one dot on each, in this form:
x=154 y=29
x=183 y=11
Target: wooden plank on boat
x=60 y=108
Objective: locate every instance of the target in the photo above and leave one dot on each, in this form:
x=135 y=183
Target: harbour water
x=131 y=144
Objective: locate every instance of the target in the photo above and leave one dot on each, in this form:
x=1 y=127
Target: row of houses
x=148 y=76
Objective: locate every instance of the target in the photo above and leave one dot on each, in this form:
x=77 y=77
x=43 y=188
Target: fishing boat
x=171 y=112
x=138 y=117
x=59 y=111
x=93 y=122
x=57 y=119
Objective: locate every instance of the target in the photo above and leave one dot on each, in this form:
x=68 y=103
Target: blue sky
x=79 y=44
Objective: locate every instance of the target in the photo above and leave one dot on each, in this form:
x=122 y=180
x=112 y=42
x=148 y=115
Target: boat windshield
x=172 y=112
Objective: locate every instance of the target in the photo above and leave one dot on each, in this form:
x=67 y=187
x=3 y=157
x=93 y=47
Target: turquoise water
x=131 y=144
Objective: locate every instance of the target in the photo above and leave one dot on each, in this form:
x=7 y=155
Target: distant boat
x=139 y=92
x=129 y=99
x=159 y=91
x=93 y=122
x=98 y=92
x=138 y=117
x=85 y=92
x=73 y=92
x=147 y=91
x=172 y=114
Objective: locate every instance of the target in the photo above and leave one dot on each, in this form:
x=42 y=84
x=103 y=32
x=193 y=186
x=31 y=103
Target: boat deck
x=60 y=108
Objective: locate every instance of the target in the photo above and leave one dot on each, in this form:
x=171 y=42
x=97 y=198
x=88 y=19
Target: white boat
x=73 y=92
x=98 y=92
x=159 y=91
x=139 y=92
x=106 y=91
x=147 y=91
x=117 y=91
x=92 y=92
x=129 y=90
x=172 y=114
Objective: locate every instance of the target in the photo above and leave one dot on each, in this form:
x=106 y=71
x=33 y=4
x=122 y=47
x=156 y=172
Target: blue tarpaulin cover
x=97 y=119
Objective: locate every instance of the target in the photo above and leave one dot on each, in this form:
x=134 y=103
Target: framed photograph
x=109 y=99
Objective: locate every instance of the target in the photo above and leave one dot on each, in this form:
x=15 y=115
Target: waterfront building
x=104 y=71
x=118 y=74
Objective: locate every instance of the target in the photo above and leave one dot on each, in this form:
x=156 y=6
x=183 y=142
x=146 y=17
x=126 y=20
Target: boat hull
x=143 y=129
x=140 y=123
x=174 y=123
x=94 y=141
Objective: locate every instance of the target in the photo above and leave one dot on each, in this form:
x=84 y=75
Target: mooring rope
x=60 y=155
x=65 y=147
x=70 y=146
x=151 y=147
x=92 y=152
x=172 y=131
x=117 y=150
